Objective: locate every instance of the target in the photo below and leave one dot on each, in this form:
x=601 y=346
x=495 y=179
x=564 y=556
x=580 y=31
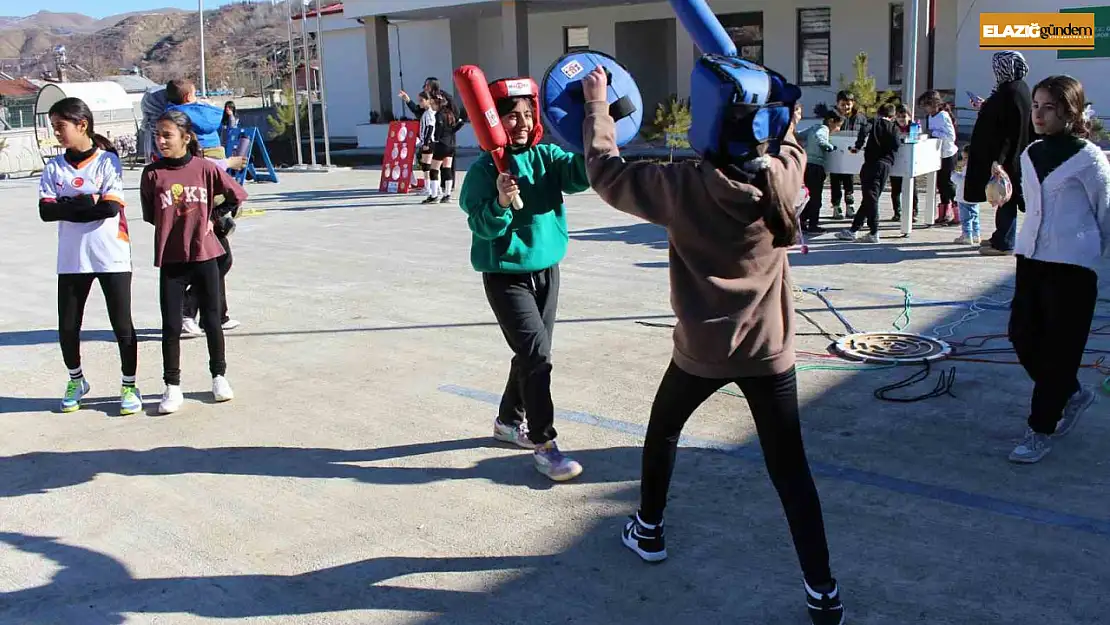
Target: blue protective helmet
x=564 y=108
x=739 y=110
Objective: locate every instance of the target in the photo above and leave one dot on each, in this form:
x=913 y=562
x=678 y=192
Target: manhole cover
x=891 y=347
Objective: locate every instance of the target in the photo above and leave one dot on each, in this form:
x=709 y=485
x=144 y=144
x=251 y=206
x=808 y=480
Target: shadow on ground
x=22 y=338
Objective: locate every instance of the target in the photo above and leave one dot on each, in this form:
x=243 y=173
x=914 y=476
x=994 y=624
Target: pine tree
x=862 y=86
x=672 y=123
x=282 y=121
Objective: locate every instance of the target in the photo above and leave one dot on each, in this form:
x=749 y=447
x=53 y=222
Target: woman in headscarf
x=1002 y=132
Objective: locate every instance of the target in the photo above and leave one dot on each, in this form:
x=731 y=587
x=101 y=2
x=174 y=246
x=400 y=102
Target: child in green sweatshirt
x=518 y=254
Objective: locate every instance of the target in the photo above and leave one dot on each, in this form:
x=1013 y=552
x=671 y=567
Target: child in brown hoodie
x=729 y=231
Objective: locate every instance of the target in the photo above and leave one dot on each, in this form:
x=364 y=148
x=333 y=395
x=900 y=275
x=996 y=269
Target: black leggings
x=945 y=187
x=842 y=187
x=191 y=306
x=525 y=305
x=204 y=277
x=773 y=401
x=873 y=178
x=1050 y=322
x=815 y=184
x=896 y=195
x=73 y=292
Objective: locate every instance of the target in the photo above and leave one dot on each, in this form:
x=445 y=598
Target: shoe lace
x=551 y=451
x=72 y=388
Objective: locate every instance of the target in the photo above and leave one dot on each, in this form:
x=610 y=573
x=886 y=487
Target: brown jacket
x=730 y=288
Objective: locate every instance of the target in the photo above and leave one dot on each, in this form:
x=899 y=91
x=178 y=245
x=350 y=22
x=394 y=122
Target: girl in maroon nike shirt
x=177 y=195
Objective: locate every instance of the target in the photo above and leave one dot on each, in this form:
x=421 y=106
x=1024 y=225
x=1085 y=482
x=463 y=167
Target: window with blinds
x=746 y=31
x=814 y=26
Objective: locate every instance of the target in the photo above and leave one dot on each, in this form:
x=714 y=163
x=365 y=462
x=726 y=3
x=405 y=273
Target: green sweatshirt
x=535 y=237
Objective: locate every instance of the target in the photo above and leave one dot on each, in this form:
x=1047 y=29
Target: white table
x=913 y=159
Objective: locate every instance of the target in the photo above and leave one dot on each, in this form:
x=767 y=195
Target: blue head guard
x=739 y=110
x=564 y=106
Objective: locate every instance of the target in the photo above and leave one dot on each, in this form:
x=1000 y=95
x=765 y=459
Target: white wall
x=425 y=50
x=975 y=65
x=346 y=77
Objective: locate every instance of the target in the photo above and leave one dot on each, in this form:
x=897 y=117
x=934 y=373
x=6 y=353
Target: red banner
x=400 y=154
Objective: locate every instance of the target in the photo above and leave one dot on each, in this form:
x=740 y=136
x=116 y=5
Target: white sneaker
x=869 y=238
x=190 y=327
x=221 y=389
x=171 y=399
x=231 y=324
x=846 y=235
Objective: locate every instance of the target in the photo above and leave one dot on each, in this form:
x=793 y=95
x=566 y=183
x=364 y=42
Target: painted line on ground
x=902 y=486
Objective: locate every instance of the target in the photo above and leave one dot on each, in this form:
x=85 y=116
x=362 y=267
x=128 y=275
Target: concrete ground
x=353 y=479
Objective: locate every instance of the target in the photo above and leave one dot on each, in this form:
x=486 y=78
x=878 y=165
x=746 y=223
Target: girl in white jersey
x=82 y=190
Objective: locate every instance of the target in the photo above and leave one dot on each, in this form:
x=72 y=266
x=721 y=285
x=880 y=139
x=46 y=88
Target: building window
x=576 y=38
x=746 y=31
x=897 y=12
x=814 y=26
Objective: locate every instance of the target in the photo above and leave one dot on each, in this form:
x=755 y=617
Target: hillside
x=238 y=38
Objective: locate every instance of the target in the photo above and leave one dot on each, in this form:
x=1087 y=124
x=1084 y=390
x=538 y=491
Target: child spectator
x=818 y=145
x=879 y=148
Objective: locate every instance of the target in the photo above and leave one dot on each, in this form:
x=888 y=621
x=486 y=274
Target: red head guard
x=517 y=87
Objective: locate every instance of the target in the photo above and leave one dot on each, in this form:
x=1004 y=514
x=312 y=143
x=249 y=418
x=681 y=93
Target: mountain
x=240 y=40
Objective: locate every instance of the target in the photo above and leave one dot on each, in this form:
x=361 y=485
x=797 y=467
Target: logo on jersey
x=184 y=198
x=78 y=183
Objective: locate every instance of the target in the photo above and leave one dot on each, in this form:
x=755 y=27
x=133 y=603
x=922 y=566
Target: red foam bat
x=473 y=88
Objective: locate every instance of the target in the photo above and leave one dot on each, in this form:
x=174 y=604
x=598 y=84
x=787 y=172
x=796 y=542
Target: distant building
x=133 y=83
x=17 y=104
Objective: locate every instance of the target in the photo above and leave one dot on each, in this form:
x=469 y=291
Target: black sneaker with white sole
x=646 y=541
x=825 y=607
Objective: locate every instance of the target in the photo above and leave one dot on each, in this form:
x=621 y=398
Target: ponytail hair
x=75 y=111
x=181 y=120
x=445 y=108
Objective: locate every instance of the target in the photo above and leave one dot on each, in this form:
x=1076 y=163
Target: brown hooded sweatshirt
x=730 y=288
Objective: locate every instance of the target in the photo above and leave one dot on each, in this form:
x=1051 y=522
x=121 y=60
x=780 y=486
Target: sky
x=19 y=8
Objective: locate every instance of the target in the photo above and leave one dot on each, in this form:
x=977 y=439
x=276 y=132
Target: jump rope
x=970 y=349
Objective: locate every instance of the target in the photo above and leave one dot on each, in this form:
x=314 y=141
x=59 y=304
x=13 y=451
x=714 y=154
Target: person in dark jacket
x=841 y=185
x=1002 y=132
x=880 y=146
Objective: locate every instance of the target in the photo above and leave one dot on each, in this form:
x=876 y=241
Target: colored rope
x=903 y=320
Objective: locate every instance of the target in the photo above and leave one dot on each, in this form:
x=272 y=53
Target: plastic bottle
x=914 y=133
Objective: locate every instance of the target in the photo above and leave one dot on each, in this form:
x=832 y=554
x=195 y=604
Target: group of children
x=880 y=139
x=82 y=190
x=730 y=221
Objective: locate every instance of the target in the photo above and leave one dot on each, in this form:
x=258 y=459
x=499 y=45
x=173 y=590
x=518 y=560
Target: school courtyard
x=353 y=480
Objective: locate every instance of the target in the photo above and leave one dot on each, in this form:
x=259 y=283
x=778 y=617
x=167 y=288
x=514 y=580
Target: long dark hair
x=75 y=111
x=932 y=97
x=226 y=119
x=1070 y=102
x=449 y=116
x=181 y=120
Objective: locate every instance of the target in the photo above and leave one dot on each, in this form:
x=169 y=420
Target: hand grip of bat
x=473 y=88
x=704 y=27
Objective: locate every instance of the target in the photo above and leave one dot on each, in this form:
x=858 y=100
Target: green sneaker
x=130 y=400
x=75 y=390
